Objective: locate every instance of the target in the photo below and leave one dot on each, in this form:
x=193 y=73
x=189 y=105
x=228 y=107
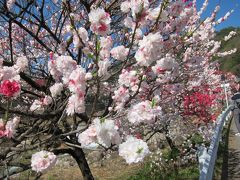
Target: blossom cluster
x=199 y=103
x=38 y=106
x=67 y=73
x=230 y=35
x=9 y=77
x=226 y=53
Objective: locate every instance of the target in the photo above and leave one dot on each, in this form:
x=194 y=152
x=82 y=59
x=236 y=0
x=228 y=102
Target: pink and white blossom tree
x=101 y=74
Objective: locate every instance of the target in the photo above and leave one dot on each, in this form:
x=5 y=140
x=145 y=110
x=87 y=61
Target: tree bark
x=170 y=142
x=79 y=156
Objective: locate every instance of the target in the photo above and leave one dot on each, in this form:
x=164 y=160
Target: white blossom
x=133 y=150
x=56 y=89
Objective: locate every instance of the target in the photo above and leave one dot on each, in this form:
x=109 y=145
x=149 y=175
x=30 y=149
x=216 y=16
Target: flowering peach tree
x=93 y=74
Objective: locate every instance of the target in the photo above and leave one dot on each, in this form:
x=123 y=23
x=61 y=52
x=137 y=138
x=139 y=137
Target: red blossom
x=9 y=88
x=2 y=133
x=138 y=136
x=51 y=55
x=199 y=103
x=102 y=27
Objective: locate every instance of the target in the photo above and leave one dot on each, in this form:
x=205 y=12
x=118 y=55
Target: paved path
x=234 y=151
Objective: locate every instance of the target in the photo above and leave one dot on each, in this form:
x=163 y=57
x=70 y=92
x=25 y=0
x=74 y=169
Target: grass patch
x=147 y=173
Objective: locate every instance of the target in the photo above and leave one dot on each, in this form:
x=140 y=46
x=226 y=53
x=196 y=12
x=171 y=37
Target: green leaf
x=98 y=47
x=139 y=150
x=90 y=56
x=94 y=74
x=102 y=120
x=154 y=102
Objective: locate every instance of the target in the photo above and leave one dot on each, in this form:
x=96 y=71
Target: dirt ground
x=233 y=170
x=113 y=168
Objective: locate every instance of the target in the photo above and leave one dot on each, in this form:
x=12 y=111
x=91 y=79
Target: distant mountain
x=230 y=63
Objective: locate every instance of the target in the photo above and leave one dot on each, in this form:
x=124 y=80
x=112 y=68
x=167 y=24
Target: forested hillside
x=232 y=62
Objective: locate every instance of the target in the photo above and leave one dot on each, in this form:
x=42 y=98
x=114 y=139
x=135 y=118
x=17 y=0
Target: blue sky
x=226 y=5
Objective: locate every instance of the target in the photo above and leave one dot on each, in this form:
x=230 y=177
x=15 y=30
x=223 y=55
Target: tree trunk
x=79 y=156
x=170 y=142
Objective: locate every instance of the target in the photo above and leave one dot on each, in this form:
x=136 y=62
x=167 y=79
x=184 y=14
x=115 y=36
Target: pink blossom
x=88 y=136
x=138 y=6
x=43 y=161
x=103 y=68
x=83 y=34
x=56 y=74
x=128 y=22
x=128 y=78
x=120 y=97
x=47 y=100
x=119 y=52
x=154 y=13
x=222 y=54
x=149 y=49
x=100 y=21
x=203 y=8
x=106 y=44
x=2 y=133
x=76 y=104
x=9 y=73
x=224 y=18
x=77 y=85
x=77 y=80
x=167 y=63
x=10 y=128
x=88 y=76
x=2 y=127
x=37 y=106
x=55 y=1
x=143 y=112
x=51 y=55
x=176 y=8
x=125 y=6
x=76 y=41
x=62 y=67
